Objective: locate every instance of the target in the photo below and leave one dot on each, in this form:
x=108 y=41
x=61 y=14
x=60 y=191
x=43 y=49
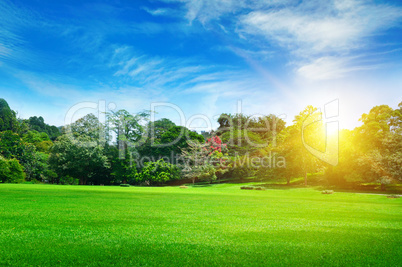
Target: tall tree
x=8 y=120
x=79 y=158
x=38 y=124
x=175 y=140
x=292 y=146
x=88 y=127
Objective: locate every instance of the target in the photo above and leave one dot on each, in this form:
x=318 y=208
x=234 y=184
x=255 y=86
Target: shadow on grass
x=201 y=185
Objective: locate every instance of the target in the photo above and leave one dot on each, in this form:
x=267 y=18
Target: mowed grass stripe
x=43 y=225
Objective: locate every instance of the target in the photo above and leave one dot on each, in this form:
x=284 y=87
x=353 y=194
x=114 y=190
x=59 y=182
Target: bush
x=124 y=185
x=327 y=192
x=247 y=187
x=393 y=196
x=11 y=171
x=260 y=188
x=68 y=180
x=183 y=186
x=158 y=172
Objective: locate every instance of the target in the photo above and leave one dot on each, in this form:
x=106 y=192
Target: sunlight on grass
x=92 y=226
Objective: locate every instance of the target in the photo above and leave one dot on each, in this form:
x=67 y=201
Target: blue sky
x=206 y=56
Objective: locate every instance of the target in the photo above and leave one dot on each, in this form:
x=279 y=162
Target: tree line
x=128 y=148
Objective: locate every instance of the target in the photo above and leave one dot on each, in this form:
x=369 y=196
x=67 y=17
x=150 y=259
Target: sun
x=332 y=129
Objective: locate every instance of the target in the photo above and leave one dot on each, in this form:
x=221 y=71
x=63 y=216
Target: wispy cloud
x=207 y=10
x=336 y=26
x=163 y=11
x=327 y=68
x=10 y=42
x=324 y=35
x=155 y=72
x=315 y=33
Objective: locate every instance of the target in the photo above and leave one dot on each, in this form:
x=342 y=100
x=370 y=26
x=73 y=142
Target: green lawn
x=46 y=225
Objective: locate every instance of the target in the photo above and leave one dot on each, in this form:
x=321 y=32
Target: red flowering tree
x=214 y=144
x=204 y=161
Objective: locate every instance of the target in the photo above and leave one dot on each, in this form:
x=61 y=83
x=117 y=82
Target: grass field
x=46 y=225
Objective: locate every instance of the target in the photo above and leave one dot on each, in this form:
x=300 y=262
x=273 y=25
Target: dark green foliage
x=157 y=128
x=38 y=124
x=123 y=170
x=8 y=120
x=11 y=171
x=157 y=173
x=167 y=142
x=81 y=159
x=35 y=163
x=12 y=146
x=40 y=169
x=176 y=139
x=68 y=180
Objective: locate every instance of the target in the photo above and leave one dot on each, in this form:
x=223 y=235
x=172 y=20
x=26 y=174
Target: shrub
x=183 y=186
x=68 y=180
x=327 y=192
x=260 y=188
x=124 y=185
x=393 y=196
x=247 y=187
x=158 y=172
x=11 y=171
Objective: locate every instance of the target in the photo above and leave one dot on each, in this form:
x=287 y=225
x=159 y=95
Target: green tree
x=155 y=131
x=129 y=128
x=11 y=171
x=38 y=124
x=175 y=140
x=247 y=134
x=299 y=161
x=12 y=146
x=242 y=142
x=123 y=169
x=158 y=172
x=199 y=162
x=87 y=127
x=8 y=120
x=79 y=158
x=371 y=152
x=40 y=140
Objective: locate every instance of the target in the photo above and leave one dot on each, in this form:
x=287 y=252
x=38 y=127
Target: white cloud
x=207 y=10
x=162 y=11
x=322 y=35
x=337 y=26
x=326 y=68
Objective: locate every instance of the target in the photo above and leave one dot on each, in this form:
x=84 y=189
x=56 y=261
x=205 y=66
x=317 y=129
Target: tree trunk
x=382 y=187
